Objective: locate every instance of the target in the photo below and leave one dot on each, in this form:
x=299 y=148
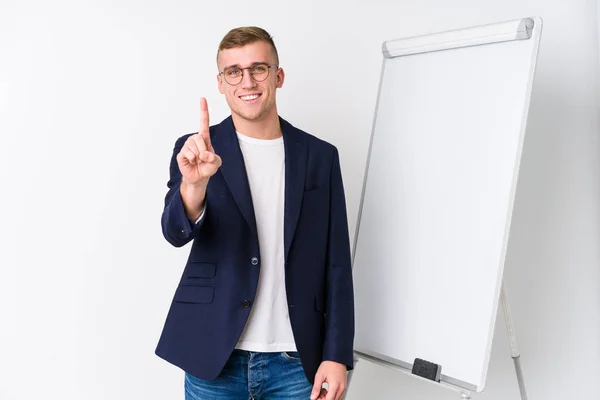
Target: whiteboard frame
x=528 y=28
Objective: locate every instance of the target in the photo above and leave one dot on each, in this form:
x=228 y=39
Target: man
x=264 y=308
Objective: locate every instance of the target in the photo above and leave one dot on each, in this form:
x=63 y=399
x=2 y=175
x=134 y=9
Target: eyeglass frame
x=222 y=73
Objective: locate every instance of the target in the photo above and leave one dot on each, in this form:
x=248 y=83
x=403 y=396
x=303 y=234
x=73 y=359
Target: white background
x=93 y=95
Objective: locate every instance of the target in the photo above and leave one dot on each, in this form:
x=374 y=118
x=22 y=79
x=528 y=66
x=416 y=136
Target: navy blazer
x=216 y=291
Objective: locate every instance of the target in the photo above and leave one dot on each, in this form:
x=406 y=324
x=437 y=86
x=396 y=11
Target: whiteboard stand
x=445 y=150
x=466 y=394
x=512 y=338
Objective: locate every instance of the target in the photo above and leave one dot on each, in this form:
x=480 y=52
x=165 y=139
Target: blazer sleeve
x=339 y=335
x=177 y=228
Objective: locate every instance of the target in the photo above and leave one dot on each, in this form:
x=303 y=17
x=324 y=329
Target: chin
x=255 y=115
x=248 y=116
x=252 y=113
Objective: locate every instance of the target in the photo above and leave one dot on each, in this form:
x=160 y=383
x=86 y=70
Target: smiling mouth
x=250 y=97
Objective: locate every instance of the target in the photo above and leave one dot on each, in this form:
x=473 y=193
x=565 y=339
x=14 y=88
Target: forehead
x=246 y=55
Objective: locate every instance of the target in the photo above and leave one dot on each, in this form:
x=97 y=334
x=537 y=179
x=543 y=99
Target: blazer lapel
x=226 y=145
x=295 y=171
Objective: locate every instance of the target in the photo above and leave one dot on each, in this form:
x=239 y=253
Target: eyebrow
x=254 y=63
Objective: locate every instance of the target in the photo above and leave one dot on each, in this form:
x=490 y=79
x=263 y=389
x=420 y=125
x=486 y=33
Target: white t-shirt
x=268 y=328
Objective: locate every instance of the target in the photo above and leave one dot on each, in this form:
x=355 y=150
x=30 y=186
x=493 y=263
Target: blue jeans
x=255 y=376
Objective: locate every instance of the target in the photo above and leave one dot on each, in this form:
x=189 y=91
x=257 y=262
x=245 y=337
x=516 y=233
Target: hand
x=197 y=160
x=336 y=377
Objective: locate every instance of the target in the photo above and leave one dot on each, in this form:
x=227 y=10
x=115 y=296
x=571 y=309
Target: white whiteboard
x=437 y=199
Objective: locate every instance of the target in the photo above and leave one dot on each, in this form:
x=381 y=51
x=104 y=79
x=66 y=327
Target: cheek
x=230 y=93
x=269 y=89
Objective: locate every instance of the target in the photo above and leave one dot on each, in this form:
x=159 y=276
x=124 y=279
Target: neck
x=265 y=128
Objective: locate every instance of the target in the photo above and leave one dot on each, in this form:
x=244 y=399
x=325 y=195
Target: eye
x=259 y=69
x=232 y=72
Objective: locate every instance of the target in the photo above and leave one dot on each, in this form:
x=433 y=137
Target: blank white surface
x=442 y=169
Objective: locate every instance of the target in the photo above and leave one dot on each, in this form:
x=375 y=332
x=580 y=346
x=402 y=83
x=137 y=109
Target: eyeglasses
x=259 y=72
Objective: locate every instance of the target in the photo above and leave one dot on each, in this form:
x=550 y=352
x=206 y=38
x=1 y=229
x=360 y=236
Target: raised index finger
x=204 y=123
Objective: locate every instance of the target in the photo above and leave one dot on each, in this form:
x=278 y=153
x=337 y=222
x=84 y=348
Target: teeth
x=250 y=97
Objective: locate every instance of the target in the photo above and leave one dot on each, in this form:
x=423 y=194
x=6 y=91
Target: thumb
x=316 y=390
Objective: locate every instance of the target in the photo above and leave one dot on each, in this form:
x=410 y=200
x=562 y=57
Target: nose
x=247 y=81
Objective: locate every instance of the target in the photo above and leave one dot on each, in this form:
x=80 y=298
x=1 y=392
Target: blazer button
x=246 y=303
x=254 y=261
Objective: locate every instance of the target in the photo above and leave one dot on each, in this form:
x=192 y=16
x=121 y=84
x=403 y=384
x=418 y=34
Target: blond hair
x=239 y=37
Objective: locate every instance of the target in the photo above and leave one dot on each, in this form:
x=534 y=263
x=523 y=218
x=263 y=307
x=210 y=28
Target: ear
x=220 y=84
x=280 y=77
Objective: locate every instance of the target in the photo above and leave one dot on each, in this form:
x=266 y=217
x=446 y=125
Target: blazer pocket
x=315 y=197
x=194 y=294
x=201 y=270
x=313 y=189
